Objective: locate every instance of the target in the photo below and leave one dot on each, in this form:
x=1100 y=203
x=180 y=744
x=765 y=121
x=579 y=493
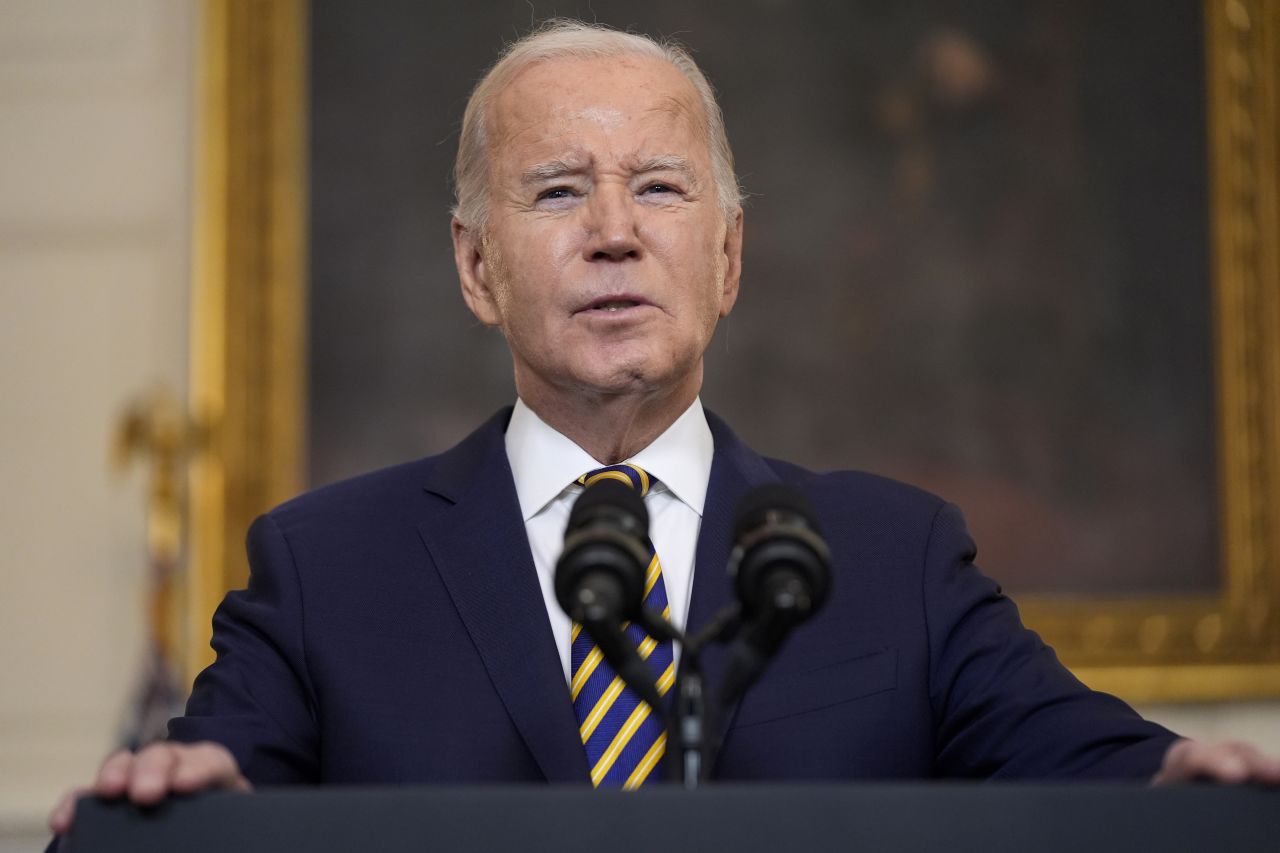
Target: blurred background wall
x=976 y=258
x=96 y=156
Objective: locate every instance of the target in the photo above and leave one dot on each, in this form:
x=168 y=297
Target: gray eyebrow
x=664 y=163
x=549 y=171
x=553 y=169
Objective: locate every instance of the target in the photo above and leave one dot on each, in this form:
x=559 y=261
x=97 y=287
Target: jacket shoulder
x=396 y=493
x=384 y=493
x=839 y=493
x=861 y=494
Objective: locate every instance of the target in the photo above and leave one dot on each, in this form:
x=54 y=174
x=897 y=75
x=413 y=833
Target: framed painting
x=1023 y=255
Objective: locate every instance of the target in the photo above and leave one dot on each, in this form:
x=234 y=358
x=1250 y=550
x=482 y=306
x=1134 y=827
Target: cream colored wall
x=95 y=117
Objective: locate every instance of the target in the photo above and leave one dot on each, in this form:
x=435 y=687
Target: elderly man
x=401 y=627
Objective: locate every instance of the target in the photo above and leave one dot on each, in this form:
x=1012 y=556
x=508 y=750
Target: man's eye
x=555 y=193
x=657 y=189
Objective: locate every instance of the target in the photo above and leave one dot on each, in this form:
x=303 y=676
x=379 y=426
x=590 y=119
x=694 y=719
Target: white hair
x=563 y=39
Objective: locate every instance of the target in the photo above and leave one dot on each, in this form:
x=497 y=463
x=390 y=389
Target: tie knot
x=633 y=475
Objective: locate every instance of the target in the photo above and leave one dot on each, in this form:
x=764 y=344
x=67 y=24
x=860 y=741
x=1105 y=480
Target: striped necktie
x=624 y=739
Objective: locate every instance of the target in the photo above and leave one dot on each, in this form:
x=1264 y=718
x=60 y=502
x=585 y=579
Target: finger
x=1251 y=764
x=65 y=811
x=113 y=775
x=152 y=770
x=1269 y=774
x=1259 y=766
x=1270 y=770
x=1188 y=760
x=1219 y=762
x=1229 y=762
x=206 y=765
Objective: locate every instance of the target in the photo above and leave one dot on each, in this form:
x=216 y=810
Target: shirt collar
x=544 y=462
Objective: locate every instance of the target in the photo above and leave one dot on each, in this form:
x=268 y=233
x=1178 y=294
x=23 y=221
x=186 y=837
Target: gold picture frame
x=1226 y=645
x=248 y=307
x=248 y=362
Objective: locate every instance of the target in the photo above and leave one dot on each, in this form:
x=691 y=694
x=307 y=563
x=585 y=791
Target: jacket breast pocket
x=821 y=684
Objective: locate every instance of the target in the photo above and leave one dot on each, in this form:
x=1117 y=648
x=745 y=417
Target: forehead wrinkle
x=532 y=123
x=680 y=107
x=515 y=123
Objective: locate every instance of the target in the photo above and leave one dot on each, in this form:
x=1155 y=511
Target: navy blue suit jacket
x=393 y=631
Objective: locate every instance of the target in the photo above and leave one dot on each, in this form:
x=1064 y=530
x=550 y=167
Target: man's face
x=607 y=258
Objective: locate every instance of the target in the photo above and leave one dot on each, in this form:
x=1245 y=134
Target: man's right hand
x=153 y=773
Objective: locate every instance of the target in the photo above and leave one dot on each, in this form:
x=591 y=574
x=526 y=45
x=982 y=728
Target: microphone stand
x=698 y=713
x=692 y=718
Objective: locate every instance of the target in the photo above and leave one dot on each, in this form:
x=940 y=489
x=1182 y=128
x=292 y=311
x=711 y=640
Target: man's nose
x=613 y=230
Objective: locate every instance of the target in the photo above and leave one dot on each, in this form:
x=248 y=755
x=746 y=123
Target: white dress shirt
x=545 y=465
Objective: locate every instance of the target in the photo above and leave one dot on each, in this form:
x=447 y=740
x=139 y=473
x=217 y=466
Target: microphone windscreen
x=771 y=499
x=609 y=498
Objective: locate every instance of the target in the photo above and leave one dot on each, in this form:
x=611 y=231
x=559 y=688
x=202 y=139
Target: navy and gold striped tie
x=623 y=736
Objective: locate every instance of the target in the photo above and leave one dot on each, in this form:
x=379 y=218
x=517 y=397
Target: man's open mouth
x=613 y=304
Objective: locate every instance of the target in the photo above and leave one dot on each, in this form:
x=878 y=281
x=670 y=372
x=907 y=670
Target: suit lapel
x=481 y=551
x=735 y=470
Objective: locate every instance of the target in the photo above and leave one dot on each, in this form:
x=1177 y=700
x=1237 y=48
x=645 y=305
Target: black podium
x=884 y=817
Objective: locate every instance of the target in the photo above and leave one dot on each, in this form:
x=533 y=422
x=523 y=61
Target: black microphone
x=600 y=573
x=600 y=576
x=781 y=572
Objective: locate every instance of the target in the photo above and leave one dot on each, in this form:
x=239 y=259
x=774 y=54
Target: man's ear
x=732 y=263
x=473 y=274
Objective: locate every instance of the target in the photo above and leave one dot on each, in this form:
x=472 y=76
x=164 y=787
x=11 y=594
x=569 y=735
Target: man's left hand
x=1231 y=762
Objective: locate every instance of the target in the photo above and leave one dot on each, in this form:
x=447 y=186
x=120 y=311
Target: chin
x=624 y=378
x=618 y=385
x=638 y=379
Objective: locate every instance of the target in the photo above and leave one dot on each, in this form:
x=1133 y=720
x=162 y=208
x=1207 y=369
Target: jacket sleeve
x=256 y=698
x=1003 y=706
